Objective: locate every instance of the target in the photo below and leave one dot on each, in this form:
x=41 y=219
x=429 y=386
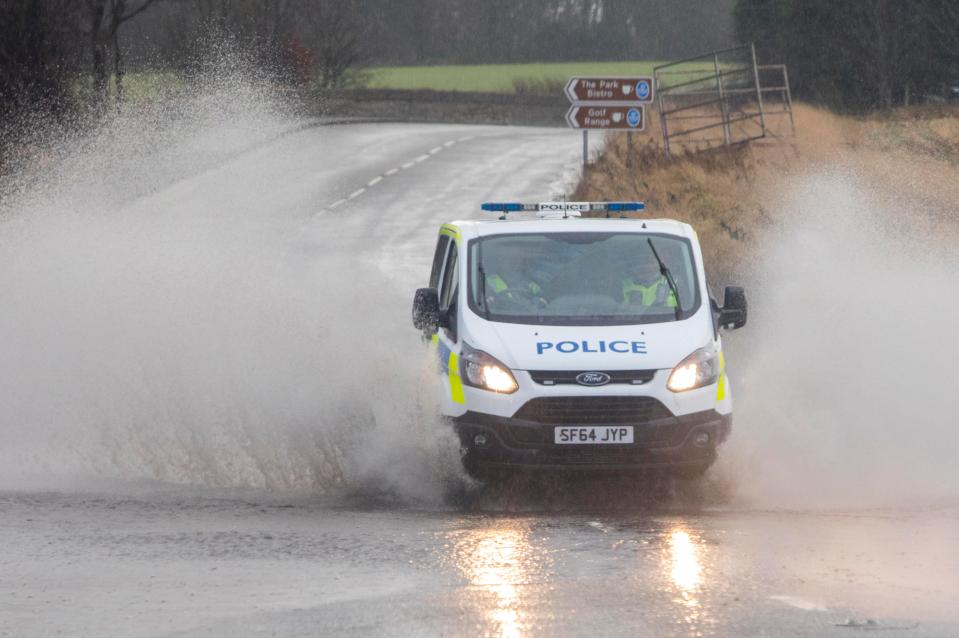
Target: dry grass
x=722 y=192
x=710 y=190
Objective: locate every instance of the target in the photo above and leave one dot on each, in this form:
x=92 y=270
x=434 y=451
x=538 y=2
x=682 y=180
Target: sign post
x=607 y=103
x=585 y=147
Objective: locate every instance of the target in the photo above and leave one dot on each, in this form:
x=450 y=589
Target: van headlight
x=699 y=369
x=481 y=370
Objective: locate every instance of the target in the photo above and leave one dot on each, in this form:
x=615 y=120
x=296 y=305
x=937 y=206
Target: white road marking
x=570 y=166
x=800 y=603
x=393 y=171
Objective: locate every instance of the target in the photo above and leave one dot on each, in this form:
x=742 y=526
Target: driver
x=645 y=285
x=515 y=276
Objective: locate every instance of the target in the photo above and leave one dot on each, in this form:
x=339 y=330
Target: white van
x=578 y=343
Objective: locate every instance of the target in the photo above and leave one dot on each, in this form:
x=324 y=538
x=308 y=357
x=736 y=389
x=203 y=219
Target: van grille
x=565 y=377
x=592 y=410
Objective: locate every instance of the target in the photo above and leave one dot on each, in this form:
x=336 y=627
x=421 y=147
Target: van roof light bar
x=569 y=208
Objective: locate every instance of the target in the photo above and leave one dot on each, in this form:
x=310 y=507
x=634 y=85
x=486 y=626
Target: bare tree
x=36 y=53
x=262 y=24
x=105 y=18
x=121 y=11
x=884 y=35
x=943 y=22
x=335 y=34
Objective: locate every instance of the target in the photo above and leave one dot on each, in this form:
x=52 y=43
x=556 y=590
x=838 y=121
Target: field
x=137 y=85
x=496 y=78
x=539 y=78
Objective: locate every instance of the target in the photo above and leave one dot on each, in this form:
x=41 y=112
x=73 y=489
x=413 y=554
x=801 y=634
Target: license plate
x=593 y=434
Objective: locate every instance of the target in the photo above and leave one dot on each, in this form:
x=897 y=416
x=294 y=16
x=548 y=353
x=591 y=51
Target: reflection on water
x=685 y=569
x=499 y=561
x=683 y=566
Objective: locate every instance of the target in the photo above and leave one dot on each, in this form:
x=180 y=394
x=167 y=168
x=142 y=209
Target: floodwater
x=216 y=418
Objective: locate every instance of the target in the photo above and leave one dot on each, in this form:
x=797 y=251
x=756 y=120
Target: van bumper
x=667 y=443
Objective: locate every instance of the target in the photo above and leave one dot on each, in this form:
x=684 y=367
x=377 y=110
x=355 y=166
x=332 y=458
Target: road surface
x=182 y=564
x=218 y=529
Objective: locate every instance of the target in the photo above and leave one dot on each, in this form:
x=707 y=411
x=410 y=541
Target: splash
x=846 y=391
x=149 y=332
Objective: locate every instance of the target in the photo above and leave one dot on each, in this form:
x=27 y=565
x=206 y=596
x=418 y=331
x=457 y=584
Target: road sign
x=634 y=90
x=627 y=118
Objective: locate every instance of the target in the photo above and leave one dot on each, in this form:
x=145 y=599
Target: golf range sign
x=630 y=118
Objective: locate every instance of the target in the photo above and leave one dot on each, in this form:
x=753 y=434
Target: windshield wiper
x=482 y=278
x=482 y=289
x=664 y=271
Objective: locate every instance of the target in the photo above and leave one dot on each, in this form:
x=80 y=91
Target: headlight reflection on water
x=683 y=570
x=501 y=562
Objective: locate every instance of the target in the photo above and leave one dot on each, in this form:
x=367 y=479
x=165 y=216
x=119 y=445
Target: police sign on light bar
x=563 y=207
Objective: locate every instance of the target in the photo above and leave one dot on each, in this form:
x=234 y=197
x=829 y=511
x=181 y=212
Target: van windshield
x=582 y=278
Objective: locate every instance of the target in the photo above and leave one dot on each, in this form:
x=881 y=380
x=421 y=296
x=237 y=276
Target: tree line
x=47 y=46
x=465 y=31
x=857 y=55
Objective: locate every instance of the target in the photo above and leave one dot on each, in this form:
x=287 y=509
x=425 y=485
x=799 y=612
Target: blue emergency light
x=500 y=207
x=624 y=206
x=559 y=207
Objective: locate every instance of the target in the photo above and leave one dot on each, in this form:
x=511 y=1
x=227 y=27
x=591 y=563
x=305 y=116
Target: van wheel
x=488 y=476
x=691 y=472
x=459 y=494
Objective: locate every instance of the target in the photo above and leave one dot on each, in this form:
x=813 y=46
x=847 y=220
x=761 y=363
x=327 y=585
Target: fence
x=719 y=98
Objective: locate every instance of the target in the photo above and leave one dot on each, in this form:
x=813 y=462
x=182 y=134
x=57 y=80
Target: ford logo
x=592 y=378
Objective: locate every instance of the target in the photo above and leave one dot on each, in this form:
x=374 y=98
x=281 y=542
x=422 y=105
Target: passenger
x=646 y=286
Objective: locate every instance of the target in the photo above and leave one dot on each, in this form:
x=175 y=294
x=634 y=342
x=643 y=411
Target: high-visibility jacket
x=657 y=292
x=498 y=284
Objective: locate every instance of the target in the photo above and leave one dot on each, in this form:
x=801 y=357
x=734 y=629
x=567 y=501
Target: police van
x=572 y=342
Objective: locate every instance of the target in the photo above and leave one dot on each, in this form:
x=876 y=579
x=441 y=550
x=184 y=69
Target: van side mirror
x=427 y=315
x=733 y=313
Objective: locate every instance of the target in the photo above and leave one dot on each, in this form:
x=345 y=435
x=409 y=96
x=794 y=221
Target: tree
x=943 y=24
x=105 y=18
x=33 y=53
x=855 y=55
x=884 y=37
x=336 y=40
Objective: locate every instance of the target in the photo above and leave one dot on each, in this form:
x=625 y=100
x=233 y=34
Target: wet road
x=179 y=564
x=308 y=551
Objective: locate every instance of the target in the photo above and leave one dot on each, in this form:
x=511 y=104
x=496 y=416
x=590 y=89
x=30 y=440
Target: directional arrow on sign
x=627 y=118
x=624 y=90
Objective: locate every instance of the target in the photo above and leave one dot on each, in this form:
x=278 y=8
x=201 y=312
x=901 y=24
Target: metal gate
x=717 y=99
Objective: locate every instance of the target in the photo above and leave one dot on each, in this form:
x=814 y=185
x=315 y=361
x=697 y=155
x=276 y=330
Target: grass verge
x=729 y=195
x=498 y=78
